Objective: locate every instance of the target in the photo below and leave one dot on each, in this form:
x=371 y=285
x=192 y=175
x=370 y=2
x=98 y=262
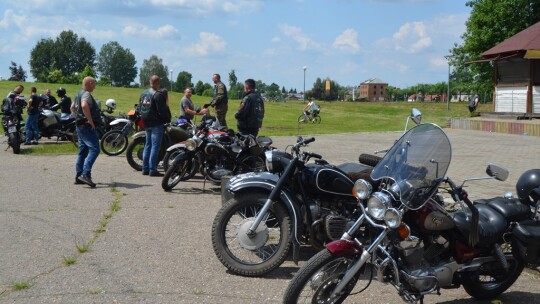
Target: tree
x=116 y=64
x=490 y=22
x=233 y=80
x=17 y=73
x=199 y=88
x=154 y=66
x=183 y=81
x=67 y=53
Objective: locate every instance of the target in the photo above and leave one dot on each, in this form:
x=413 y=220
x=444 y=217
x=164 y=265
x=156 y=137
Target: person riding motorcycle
x=65 y=103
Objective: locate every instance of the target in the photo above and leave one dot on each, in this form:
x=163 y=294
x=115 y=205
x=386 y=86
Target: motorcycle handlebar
x=314 y=155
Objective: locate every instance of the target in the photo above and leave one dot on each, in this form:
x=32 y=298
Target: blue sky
x=402 y=42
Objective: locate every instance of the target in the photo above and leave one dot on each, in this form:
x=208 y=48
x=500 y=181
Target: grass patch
x=84 y=247
x=69 y=260
x=21 y=285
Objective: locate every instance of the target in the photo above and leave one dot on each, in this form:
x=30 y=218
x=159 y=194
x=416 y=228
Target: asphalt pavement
x=144 y=245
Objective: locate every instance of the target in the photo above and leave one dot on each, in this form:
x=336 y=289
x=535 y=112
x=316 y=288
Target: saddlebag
x=527 y=241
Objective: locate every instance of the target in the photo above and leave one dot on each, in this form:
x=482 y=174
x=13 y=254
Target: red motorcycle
x=418 y=246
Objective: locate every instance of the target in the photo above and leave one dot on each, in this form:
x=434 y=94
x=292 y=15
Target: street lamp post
x=304 y=68
x=171 y=80
x=448 y=87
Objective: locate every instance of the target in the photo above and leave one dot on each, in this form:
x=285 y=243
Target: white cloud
x=347 y=41
x=412 y=37
x=144 y=31
x=209 y=42
x=297 y=34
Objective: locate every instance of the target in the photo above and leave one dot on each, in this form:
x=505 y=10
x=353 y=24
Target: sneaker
x=156 y=174
x=78 y=181
x=27 y=144
x=145 y=173
x=87 y=180
x=34 y=143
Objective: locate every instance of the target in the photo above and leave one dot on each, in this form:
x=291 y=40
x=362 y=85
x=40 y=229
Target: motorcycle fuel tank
x=431 y=217
x=327 y=179
x=50 y=118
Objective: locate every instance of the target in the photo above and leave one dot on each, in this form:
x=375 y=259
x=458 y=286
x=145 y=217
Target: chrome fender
x=139 y=134
x=176 y=146
x=119 y=120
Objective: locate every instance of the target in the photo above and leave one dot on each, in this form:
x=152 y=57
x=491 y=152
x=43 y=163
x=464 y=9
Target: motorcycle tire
x=114 y=143
x=314 y=282
x=176 y=173
x=491 y=279
x=169 y=157
x=134 y=153
x=251 y=256
x=368 y=159
x=15 y=143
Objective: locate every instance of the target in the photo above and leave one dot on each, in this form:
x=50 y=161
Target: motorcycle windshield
x=416 y=163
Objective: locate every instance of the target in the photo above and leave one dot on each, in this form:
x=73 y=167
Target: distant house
x=516 y=63
x=373 y=90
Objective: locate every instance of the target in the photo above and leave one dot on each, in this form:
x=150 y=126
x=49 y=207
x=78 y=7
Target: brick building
x=373 y=90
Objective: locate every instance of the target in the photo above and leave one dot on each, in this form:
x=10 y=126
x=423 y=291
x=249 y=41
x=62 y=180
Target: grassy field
x=281 y=117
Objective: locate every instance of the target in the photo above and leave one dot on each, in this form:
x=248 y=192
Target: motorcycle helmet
x=527 y=182
x=61 y=92
x=110 y=103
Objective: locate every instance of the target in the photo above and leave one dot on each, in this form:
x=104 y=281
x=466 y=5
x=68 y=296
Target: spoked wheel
x=251 y=255
x=303 y=118
x=169 y=157
x=114 y=142
x=134 y=153
x=176 y=173
x=316 y=120
x=490 y=280
x=316 y=280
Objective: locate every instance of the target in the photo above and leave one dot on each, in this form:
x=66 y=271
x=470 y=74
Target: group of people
x=35 y=102
x=155 y=113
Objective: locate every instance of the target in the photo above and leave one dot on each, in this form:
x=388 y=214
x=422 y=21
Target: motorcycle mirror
x=498 y=172
x=198 y=109
x=416 y=115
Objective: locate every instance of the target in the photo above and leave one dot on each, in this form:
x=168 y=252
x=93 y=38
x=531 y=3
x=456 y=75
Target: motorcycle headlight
x=362 y=189
x=392 y=218
x=191 y=144
x=377 y=205
x=276 y=161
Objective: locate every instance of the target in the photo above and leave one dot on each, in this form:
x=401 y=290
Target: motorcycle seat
x=491 y=224
x=512 y=209
x=264 y=141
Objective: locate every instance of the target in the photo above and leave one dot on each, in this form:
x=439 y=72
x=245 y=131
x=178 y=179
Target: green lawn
x=281 y=117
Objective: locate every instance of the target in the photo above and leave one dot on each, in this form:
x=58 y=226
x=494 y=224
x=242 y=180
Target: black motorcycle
x=216 y=154
x=13 y=126
x=50 y=124
x=294 y=203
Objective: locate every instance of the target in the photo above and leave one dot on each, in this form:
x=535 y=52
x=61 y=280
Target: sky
x=402 y=42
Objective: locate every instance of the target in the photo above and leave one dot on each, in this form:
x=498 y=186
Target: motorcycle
x=50 y=124
x=115 y=141
x=293 y=203
x=13 y=127
x=216 y=153
x=173 y=133
x=418 y=246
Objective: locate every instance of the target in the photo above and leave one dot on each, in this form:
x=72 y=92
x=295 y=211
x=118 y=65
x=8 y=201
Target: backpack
x=6 y=105
x=145 y=103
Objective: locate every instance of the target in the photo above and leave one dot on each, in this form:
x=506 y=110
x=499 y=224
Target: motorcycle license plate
x=12 y=129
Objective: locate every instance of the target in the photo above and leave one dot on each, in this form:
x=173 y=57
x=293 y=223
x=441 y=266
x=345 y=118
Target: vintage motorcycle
x=13 y=126
x=217 y=154
x=293 y=203
x=115 y=141
x=416 y=245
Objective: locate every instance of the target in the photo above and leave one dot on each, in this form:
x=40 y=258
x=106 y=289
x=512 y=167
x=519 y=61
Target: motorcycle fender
x=344 y=248
x=139 y=134
x=176 y=146
x=119 y=120
x=182 y=156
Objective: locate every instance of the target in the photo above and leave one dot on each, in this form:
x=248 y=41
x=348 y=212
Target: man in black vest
x=250 y=114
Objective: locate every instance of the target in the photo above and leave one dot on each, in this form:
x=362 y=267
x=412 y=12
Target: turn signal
x=404 y=231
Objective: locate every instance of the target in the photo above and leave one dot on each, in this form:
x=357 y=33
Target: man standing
x=9 y=102
x=220 y=100
x=65 y=103
x=89 y=118
x=187 y=110
x=31 y=125
x=50 y=101
x=155 y=113
x=250 y=114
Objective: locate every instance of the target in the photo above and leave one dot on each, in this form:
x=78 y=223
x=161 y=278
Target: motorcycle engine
x=330 y=224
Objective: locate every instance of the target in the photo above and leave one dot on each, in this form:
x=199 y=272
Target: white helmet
x=110 y=103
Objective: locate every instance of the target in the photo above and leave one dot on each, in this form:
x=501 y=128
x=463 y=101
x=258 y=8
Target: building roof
x=526 y=40
x=374 y=80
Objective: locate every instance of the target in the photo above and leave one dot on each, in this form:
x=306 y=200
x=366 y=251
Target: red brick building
x=373 y=90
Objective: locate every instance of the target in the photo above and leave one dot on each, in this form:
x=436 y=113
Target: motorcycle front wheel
x=114 y=142
x=251 y=255
x=15 y=143
x=134 y=153
x=316 y=280
x=176 y=173
x=170 y=155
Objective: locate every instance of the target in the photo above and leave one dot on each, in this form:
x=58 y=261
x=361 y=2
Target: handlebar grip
x=309 y=140
x=315 y=155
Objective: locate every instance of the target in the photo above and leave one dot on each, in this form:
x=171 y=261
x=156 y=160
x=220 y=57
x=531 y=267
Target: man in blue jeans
x=155 y=113
x=31 y=125
x=88 y=118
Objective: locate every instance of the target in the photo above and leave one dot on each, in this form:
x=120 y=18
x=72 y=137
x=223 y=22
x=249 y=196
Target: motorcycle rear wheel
x=134 y=153
x=258 y=255
x=15 y=143
x=315 y=281
x=176 y=173
x=114 y=142
x=491 y=280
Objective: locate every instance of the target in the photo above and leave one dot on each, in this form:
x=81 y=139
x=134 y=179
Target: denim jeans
x=154 y=136
x=88 y=149
x=31 y=127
